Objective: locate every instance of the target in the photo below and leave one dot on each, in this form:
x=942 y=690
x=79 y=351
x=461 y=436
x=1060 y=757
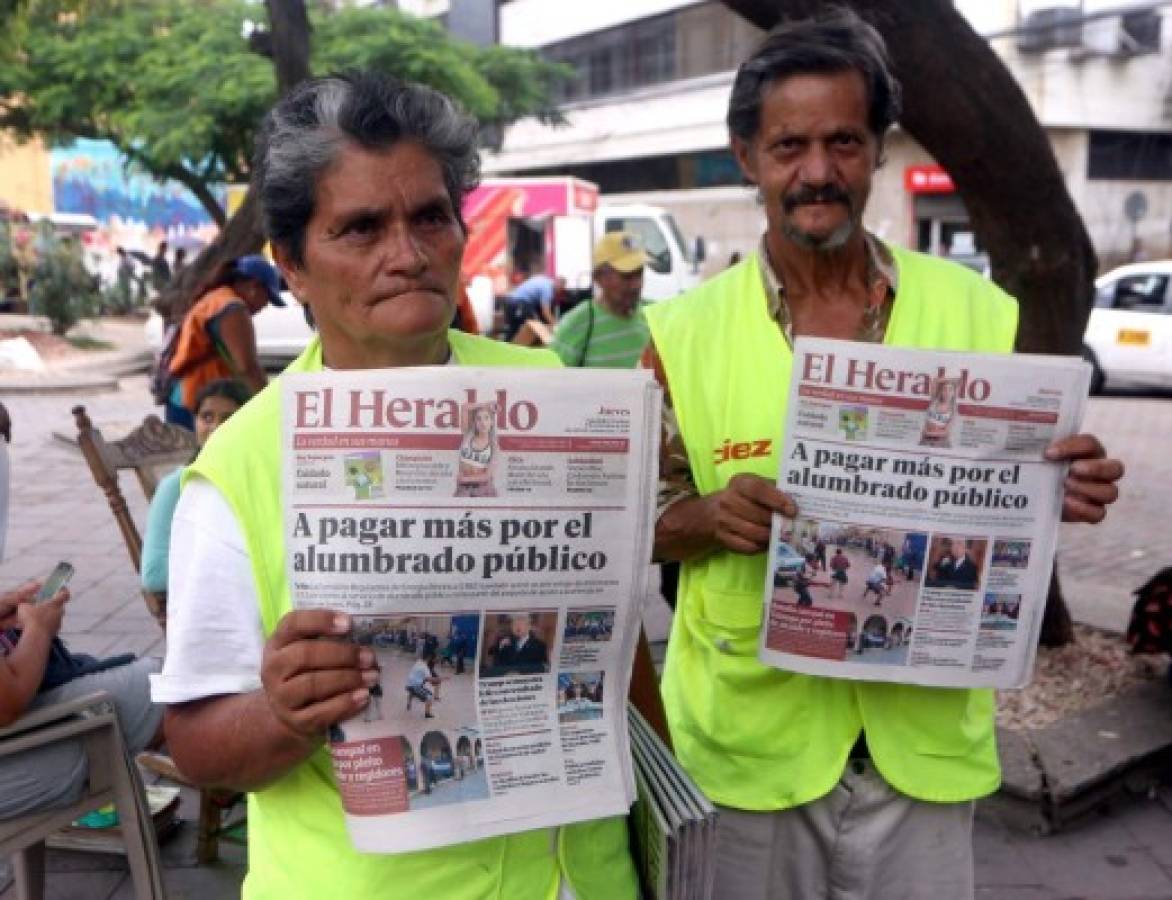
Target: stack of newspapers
x=672 y=822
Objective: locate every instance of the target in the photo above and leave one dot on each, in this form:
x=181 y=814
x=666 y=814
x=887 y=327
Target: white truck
x=526 y=226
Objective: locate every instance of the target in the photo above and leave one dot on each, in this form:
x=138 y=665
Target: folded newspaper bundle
x=673 y=824
x=927 y=515
x=489 y=532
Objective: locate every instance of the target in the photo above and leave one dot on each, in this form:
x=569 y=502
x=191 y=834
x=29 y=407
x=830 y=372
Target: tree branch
x=200 y=189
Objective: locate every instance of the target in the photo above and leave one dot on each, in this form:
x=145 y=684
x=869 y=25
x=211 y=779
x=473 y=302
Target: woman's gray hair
x=302 y=134
x=837 y=41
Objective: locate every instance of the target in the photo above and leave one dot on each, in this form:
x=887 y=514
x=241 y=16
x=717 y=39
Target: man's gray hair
x=303 y=133
x=837 y=41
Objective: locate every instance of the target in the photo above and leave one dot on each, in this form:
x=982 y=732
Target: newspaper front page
x=489 y=530
x=927 y=517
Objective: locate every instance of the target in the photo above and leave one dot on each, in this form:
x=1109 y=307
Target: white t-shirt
x=214 y=633
x=419 y=674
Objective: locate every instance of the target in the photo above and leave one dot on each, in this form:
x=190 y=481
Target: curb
x=100 y=375
x=1055 y=775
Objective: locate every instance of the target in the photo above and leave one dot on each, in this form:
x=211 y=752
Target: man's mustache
x=805 y=196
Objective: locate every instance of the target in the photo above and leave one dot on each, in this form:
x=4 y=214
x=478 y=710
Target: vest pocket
x=736 y=612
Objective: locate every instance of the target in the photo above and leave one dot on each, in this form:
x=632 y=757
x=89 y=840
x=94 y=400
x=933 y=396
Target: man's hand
x=1090 y=482
x=743 y=512
x=11 y=601
x=312 y=678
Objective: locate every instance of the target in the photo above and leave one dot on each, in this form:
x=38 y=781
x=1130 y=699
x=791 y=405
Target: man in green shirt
x=609 y=331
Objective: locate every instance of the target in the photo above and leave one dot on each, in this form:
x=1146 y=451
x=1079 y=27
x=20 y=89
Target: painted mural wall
x=129 y=208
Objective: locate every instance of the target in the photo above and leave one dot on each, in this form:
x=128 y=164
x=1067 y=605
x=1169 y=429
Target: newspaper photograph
x=927 y=516
x=488 y=530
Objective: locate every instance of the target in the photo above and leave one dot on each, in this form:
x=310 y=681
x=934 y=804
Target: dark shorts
x=419 y=692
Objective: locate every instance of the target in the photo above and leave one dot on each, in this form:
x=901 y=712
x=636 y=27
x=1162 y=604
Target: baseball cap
x=620 y=250
x=260 y=269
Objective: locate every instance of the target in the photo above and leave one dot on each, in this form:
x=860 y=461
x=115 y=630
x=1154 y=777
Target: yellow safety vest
x=755 y=737
x=297 y=841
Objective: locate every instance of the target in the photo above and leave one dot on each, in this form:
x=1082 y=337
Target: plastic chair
x=152 y=450
x=113 y=778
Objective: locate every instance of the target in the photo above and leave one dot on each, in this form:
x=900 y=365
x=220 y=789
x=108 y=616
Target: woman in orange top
x=217 y=339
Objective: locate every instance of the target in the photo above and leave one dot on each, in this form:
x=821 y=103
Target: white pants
x=862 y=841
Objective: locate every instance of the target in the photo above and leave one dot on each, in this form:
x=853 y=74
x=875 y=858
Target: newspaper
x=489 y=530
x=673 y=825
x=927 y=519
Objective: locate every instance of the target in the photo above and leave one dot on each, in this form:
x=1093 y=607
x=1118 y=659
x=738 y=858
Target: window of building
x=697 y=40
x=1130 y=156
x=705 y=168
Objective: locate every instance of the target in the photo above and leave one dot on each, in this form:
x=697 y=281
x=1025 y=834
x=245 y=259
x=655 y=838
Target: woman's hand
x=43 y=617
x=11 y=601
x=313 y=675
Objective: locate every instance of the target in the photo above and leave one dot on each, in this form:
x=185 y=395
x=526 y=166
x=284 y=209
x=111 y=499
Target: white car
x=281 y=332
x=1129 y=336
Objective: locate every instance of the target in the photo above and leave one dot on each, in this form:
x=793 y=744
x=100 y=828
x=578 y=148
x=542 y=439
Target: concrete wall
x=25 y=179
x=535 y=23
x=1099 y=202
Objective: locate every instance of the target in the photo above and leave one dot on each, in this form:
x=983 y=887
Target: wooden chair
x=152 y=450
x=112 y=778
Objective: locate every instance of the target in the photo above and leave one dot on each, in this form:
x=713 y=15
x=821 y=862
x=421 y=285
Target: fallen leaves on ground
x=1070 y=679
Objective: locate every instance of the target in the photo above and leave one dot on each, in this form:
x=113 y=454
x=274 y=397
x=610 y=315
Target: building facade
x=646 y=117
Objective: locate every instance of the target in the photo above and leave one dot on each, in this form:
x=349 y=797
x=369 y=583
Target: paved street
x=58 y=513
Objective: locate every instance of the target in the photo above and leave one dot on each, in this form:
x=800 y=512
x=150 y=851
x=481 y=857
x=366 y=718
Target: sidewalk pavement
x=57 y=512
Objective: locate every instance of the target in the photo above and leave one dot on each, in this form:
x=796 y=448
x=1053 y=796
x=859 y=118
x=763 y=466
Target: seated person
x=214 y=404
x=37 y=670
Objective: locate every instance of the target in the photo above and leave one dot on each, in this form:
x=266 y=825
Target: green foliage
x=62 y=289
x=174 y=85
x=85 y=342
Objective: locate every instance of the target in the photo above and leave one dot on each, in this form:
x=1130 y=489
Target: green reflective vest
x=297 y=841
x=755 y=737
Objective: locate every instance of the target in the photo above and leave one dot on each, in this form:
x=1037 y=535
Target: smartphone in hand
x=57 y=579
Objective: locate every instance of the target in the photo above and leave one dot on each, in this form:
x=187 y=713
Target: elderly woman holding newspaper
x=360 y=180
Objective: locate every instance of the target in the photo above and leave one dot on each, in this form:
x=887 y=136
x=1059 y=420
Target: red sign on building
x=927 y=180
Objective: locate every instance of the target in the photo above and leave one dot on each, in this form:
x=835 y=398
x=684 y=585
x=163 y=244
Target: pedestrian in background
x=608 y=331
x=534 y=298
x=216 y=339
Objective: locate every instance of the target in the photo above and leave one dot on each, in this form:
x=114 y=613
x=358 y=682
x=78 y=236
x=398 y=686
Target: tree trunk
x=289 y=24
x=1057 y=625
x=239 y=237
x=964 y=107
x=289 y=46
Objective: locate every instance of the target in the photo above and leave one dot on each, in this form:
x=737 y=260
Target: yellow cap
x=620 y=250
